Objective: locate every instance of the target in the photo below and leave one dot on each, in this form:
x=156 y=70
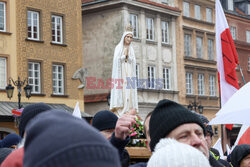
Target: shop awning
x=7 y=107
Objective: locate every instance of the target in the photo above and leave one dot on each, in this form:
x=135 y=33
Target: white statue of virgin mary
x=124 y=96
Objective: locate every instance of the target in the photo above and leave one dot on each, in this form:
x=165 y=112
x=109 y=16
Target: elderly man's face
x=208 y=140
x=245 y=162
x=191 y=134
x=107 y=133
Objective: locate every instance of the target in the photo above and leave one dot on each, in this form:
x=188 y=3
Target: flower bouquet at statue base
x=136 y=135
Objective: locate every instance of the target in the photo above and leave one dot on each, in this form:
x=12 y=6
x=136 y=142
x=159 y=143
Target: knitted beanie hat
x=104 y=120
x=167 y=116
x=10 y=140
x=205 y=122
x=59 y=139
x=170 y=153
x=29 y=112
x=239 y=152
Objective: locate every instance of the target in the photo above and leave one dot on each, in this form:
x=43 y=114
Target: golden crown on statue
x=129 y=28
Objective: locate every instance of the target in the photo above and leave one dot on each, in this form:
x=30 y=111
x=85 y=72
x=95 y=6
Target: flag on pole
x=77 y=112
x=226 y=57
x=243 y=136
x=17 y=112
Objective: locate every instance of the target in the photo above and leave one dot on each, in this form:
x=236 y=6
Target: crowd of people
x=53 y=137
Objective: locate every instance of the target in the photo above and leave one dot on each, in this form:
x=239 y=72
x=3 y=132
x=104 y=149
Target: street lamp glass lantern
x=27 y=90
x=200 y=108
x=190 y=107
x=9 y=91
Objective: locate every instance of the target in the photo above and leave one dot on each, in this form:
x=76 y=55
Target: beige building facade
x=42 y=43
x=197 y=66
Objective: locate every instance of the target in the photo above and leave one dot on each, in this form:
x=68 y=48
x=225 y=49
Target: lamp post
x=195 y=105
x=108 y=99
x=18 y=83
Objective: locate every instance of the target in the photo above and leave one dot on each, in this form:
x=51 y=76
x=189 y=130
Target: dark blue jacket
x=120 y=145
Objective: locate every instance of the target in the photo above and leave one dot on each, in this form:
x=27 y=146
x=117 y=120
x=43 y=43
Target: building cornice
x=144 y=4
x=200 y=60
x=194 y=67
x=198 y=21
x=210 y=3
x=212 y=33
x=237 y=16
x=159 y=5
x=242 y=45
x=159 y=91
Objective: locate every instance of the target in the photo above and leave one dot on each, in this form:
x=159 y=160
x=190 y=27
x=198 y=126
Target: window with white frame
x=58 y=79
x=201 y=84
x=164 y=32
x=134 y=24
x=3 y=73
x=210 y=49
x=230 y=5
x=189 y=83
x=34 y=77
x=248 y=9
x=187 y=45
x=199 y=47
x=137 y=72
x=151 y=77
x=33 y=25
x=185 y=9
x=197 y=10
x=233 y=32
x=2 y=16
x=248 y=63
x=150 y=28
x=209 y=15
x=248 y=36
x=166 y=78
x=211 y=85
x=57 y=32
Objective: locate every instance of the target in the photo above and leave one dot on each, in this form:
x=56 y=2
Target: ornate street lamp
x=190 y=107
x=195 y=105
x=9 y=90
x=200 y=108
x=18 y=83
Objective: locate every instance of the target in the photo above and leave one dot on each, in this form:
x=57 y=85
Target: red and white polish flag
x=226 y=58
x=243 y=136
